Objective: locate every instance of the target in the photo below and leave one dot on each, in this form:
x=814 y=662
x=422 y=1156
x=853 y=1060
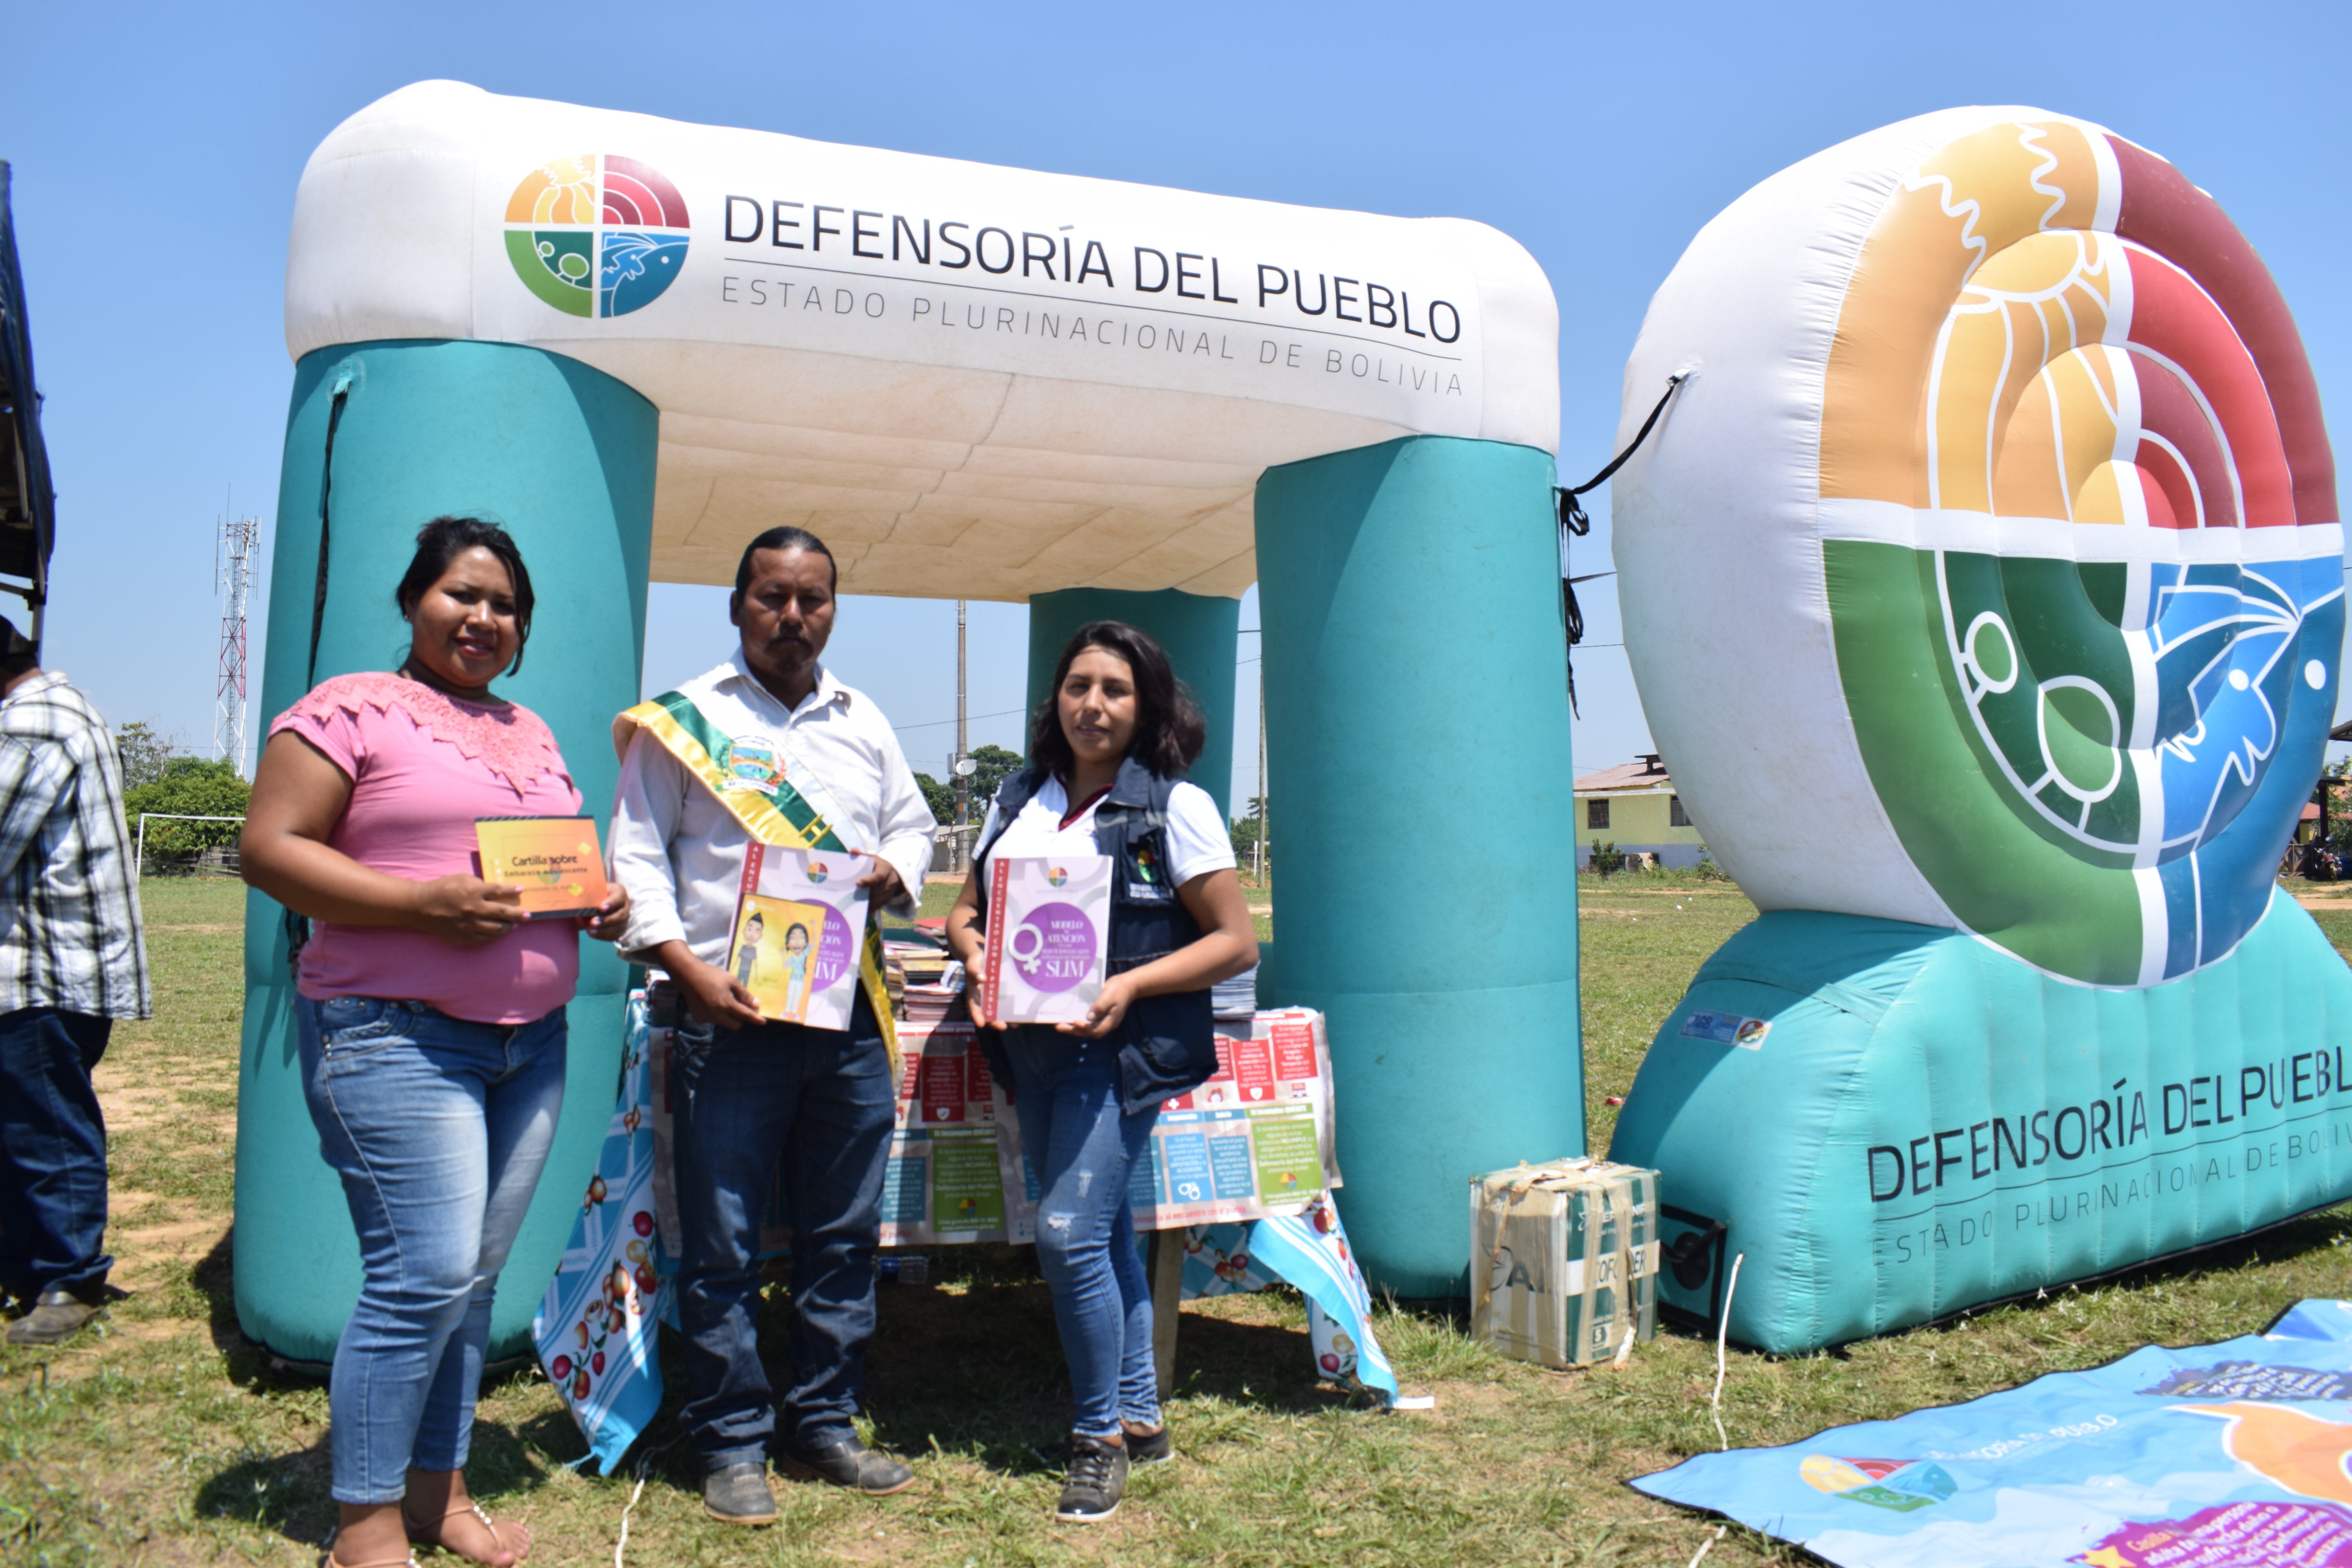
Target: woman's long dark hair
x=1169 y=728
x=445 y=539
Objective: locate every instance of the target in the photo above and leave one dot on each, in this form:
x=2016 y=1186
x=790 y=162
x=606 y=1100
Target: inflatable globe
x=1984 y=587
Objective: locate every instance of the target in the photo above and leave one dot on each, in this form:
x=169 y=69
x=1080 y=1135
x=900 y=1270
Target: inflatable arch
x=636 y=342
x=1984 y=587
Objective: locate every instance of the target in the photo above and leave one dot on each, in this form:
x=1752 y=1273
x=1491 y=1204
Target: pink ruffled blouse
x=422 y=766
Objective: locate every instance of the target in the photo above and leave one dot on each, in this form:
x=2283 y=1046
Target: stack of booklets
x=1235 y=1000
x=933 y=981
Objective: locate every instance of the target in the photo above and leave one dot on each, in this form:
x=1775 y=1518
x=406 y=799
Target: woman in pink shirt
x=430 y=1017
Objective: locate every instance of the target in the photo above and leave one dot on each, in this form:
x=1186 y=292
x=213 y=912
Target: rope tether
x=1573 y=522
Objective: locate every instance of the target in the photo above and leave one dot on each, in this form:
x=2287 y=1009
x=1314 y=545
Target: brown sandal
x=331 y=1560
x=416 y=1533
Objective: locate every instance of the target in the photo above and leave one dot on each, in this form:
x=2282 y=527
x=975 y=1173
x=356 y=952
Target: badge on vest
x=1145 y=882
x=754 y=765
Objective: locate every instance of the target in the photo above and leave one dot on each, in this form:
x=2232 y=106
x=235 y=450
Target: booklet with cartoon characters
x=1048 y=929
x=553 y=859
x=798 y=926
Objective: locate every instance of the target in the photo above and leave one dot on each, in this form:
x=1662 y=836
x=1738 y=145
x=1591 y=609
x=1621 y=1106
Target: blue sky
x=156 y=151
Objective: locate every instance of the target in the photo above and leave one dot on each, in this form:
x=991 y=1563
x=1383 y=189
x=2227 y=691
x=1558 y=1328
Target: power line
x=937 y=723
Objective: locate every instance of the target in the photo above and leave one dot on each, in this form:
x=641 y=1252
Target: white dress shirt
x=680 y=852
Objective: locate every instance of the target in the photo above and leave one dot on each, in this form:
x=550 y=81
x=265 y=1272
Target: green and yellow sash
x=788 y=821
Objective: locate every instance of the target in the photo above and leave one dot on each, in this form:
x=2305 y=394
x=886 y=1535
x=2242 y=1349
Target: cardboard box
x=1564 y=1257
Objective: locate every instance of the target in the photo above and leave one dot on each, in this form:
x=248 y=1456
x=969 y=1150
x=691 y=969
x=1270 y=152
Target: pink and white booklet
x=798 y=927
x=1049 y=926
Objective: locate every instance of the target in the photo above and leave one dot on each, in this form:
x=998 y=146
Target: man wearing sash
x=770 y=746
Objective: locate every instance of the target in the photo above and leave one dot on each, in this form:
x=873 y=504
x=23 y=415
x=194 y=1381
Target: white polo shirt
x=680 y=852
x=1198 y=840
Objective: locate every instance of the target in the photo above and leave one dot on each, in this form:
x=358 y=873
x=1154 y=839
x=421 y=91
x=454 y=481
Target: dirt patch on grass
x=127 y=1104
x=144 y=1252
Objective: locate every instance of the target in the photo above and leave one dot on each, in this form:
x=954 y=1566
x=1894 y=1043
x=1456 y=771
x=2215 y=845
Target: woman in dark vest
x=1107 y=752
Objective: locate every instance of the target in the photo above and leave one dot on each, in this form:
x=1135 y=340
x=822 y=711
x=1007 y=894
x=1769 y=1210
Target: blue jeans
x=438 y=1128
x=1067 y=1093
x=52 y=1155
x=824 y=1097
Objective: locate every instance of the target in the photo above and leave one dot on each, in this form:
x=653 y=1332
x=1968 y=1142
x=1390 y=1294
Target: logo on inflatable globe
x=1987 y=567
x=2080 y=573
x=596 y=234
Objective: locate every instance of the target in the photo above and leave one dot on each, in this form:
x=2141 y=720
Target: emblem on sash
x=754 y=765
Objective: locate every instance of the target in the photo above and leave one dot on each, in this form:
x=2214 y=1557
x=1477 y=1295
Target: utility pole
x=963 y=736
x=239 y=541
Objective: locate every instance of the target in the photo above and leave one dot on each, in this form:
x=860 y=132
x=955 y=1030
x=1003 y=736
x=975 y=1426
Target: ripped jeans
x=1067 y=1093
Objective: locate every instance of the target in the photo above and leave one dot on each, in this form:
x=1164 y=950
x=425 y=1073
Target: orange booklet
x=553 y=859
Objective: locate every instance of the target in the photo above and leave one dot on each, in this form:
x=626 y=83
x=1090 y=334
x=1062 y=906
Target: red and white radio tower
x=233 y=556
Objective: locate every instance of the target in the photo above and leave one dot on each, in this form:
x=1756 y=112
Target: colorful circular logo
x=597 y=234
x=1905 y=1485
x=2087 y=581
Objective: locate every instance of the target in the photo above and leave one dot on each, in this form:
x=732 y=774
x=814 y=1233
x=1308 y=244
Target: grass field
x=163 y=1438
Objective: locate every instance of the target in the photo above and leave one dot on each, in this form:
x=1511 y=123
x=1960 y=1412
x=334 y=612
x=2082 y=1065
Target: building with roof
x=1634 y=807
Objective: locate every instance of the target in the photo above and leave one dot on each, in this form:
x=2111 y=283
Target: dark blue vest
x=1167 y=1045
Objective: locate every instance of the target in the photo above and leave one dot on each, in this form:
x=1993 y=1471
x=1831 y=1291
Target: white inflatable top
x=970 y=381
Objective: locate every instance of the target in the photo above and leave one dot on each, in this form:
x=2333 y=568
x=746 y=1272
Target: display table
x=1236 y=1191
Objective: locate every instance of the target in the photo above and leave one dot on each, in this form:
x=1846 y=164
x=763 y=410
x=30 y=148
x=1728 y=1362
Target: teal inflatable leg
x=1199 y=635
x=562 y=456
x=1416 y=693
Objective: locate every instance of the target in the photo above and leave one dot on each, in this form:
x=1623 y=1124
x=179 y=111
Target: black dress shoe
x=738 y=1495
x=56 y=1315
x=849 y=1462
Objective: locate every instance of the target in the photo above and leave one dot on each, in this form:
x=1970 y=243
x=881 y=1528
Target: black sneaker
x=1098 y=1479
x=1155 y=1447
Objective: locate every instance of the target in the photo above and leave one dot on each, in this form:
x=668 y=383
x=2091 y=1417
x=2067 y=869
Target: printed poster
x=944 y=1181
x=2222 y=1455
x=1257 y=1138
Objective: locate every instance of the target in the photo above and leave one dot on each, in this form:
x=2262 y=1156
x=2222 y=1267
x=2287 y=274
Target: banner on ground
x=2220 y=1456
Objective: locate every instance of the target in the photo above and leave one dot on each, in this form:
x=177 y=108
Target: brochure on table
x=797 y=928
